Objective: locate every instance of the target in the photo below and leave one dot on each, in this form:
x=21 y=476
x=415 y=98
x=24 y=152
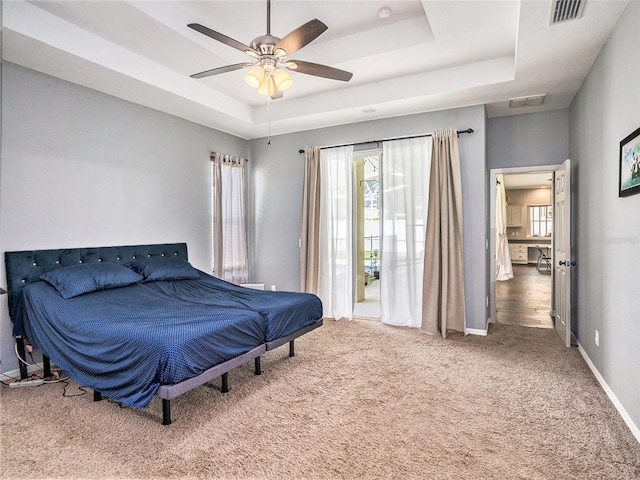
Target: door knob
x=567 y=263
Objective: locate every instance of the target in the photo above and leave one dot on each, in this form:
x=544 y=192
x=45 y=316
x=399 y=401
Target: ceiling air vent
x=565 y=10
x=531 y=101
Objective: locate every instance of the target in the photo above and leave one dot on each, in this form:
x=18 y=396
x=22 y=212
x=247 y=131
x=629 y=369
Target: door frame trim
x=491 y=250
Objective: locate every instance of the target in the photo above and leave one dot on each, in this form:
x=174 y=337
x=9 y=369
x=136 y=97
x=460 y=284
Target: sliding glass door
x=373 y=220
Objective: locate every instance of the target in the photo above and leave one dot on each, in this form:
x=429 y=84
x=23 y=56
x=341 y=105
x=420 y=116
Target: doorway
x=367 y=202
x=525 y=299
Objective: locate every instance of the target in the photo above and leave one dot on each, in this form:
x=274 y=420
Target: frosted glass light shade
x=254 y=76
x=267 y=87
x=282 y=80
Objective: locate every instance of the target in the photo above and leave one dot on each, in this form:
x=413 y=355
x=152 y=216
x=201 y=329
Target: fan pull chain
x=268 y=121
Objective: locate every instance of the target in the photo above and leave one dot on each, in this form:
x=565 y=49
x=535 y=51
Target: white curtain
x=336 y=265
x=230 y=260
x=504 y=270
x=405 y=193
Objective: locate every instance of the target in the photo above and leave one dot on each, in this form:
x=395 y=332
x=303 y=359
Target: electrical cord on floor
x=55 y=373
x=64 y=381
x=66 y=385
x=120 y=404
x=84 y=391
x=8 y=376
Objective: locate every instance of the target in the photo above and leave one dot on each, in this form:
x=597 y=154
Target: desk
x=526 y=251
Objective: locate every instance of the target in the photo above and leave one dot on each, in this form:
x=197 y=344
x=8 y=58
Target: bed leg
x=46 y=366
x=23 y=368
x=97 y=396
x=292 y=351
x=258 y=370
x=166 y=412
x=225 y=383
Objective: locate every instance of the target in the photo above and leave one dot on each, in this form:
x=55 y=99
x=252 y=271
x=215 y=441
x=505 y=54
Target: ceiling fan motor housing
x=265 y=44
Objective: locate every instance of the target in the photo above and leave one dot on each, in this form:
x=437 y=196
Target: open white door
x=562 y=251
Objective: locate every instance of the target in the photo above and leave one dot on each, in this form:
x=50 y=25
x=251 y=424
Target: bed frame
x=25 y=267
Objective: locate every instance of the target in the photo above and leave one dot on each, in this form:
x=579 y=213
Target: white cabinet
x=515 y=217
x=518 y=253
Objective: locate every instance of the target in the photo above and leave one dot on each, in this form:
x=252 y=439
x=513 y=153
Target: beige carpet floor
x=359 y=400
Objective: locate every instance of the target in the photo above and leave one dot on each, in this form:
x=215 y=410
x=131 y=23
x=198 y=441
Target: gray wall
x=80 y=168
x=606 y=110
x=275 y=200
x=529 y=139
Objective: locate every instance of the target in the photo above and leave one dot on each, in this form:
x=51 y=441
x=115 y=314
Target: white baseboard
x=612 y=396
x=475 y=331
x=16 y=373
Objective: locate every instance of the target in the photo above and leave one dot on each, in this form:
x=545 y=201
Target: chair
x=543 y=265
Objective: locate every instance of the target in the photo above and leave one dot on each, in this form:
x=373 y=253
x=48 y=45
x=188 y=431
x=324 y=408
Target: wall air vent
x=565 y=10
x=531 y=101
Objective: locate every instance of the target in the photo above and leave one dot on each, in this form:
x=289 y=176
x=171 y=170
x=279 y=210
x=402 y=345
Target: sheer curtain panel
x=336 y=264
x=230 y=260
x=504 y=269
x=310 y=228
x=405 y=191
x=443 y=297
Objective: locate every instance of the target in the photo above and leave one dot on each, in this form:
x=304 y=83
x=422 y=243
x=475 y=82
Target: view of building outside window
x=372 y=215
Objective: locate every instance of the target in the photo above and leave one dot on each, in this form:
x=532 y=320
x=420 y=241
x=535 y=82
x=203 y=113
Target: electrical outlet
x=273 y=288
x=597 y=338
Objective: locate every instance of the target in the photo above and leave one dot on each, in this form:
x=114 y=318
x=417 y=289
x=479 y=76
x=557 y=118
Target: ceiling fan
x=271 y=56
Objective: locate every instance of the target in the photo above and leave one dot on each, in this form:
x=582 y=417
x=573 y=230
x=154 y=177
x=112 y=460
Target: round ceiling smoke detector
x=384 y=12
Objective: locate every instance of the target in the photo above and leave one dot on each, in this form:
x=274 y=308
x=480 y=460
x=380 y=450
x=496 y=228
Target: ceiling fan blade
x=301 y=36
x=219 y=70
x=224 y=39
x=318 y=70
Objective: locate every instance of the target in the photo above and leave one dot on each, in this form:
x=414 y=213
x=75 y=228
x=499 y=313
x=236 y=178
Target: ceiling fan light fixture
x=282 y=79
x=266 y=74
x=254 y=76
x=252 y=53
x=267 y=87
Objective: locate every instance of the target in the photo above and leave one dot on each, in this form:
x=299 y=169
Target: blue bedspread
x=284 y=312
x=125 y=342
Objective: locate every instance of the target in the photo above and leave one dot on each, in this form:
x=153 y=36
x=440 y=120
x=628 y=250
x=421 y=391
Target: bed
x=134 y=322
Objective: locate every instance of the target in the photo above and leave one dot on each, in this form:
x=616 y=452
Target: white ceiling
x=429 y=55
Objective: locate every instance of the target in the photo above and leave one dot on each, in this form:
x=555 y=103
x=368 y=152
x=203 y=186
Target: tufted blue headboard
x=25 y=267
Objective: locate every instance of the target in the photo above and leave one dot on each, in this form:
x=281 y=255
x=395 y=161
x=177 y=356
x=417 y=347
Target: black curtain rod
x=468 y=130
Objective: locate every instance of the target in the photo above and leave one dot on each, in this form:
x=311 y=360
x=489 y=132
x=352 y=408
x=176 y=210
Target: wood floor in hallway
x=525 y=299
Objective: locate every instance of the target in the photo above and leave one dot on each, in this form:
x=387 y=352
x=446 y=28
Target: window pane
x=540 y=220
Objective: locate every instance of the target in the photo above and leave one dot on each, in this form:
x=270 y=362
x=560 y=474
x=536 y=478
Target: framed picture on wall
x=629 y=180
